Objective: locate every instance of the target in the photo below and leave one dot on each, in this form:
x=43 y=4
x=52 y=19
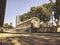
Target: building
x=25 y=26
x=18 y=21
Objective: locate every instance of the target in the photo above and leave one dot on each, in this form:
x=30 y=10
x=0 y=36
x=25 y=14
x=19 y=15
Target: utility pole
x=2 y=11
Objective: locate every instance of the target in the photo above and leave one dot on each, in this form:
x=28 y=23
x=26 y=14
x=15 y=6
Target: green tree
x=43 y=12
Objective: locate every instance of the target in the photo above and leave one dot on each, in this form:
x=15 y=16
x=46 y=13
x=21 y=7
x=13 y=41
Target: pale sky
x=19 y=7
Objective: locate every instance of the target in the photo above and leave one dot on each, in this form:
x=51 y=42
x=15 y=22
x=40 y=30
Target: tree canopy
x=43 y=12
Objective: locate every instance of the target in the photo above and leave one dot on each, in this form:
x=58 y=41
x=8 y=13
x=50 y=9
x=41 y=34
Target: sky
x=19 y=7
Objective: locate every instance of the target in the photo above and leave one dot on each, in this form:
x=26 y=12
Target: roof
x=29 y=19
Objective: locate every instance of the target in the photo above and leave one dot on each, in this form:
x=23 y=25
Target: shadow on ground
x=34 y=39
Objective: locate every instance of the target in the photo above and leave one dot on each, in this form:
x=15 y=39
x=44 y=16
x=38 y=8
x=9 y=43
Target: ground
x=30 y=39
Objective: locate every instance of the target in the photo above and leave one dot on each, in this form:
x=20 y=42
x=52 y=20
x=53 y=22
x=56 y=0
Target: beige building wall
x=27 y=23
x=18 y=20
